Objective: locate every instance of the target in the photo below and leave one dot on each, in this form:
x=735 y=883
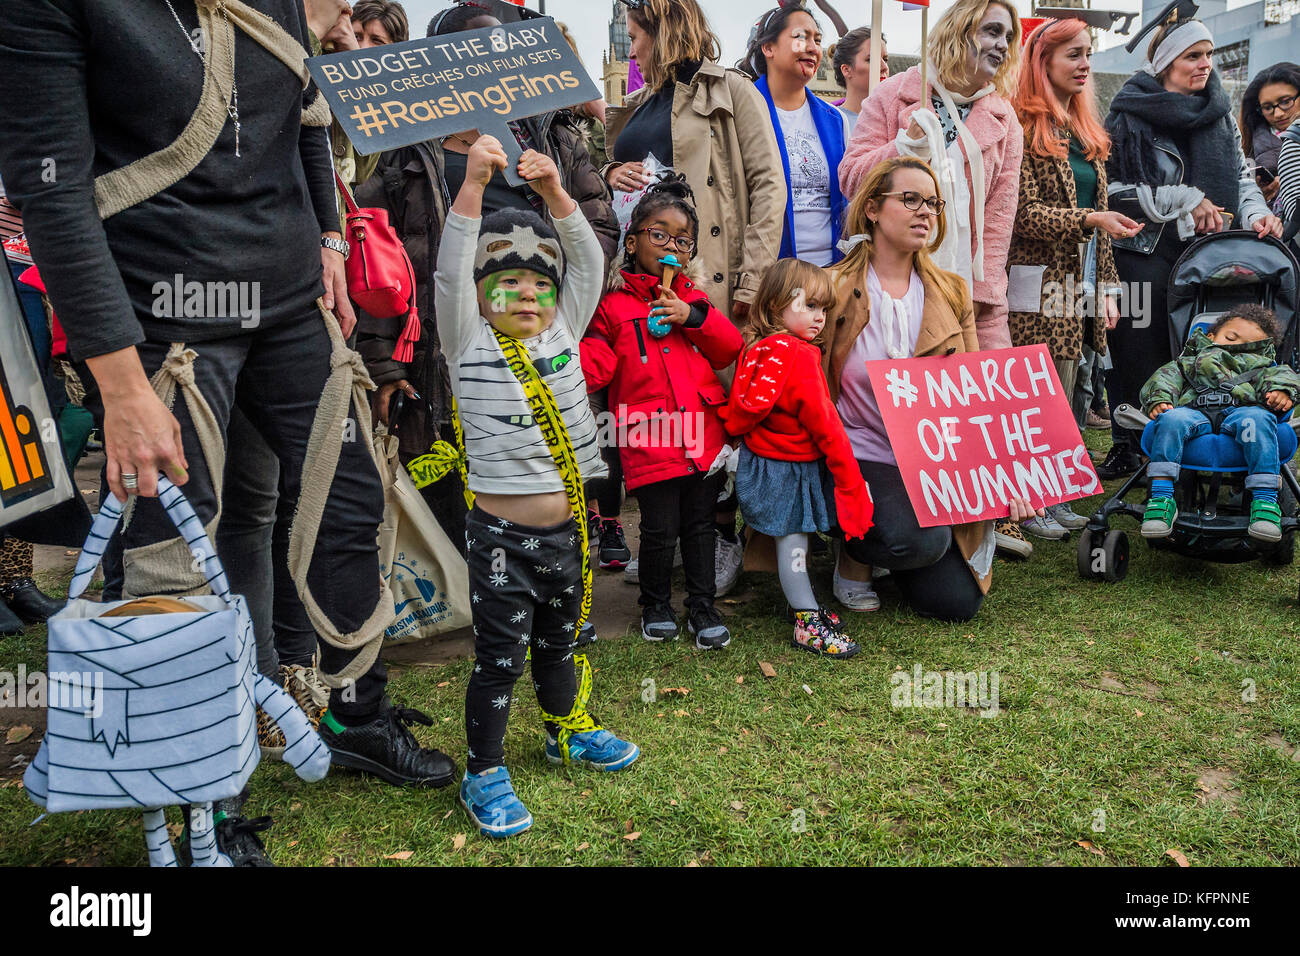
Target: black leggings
x=929 y=569
x=525 y=589
x=672 y=510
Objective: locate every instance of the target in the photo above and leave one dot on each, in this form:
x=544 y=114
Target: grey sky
x=588 y=20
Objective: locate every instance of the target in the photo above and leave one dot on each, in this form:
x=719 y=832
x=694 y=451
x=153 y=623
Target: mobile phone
x=1264 y=176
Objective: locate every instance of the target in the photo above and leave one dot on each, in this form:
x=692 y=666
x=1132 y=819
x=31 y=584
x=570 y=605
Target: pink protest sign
x=973 y=431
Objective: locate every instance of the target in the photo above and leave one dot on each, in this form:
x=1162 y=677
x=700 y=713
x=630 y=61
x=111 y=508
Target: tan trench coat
x=943 y=332
x=738 y=181
x=1049 y=228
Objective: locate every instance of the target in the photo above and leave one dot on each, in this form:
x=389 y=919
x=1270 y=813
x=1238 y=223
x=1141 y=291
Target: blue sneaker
x=598 y=749
x=489 y=799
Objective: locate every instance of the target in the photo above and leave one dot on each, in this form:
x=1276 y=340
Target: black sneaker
x=708 y=628
x=587 y=635
x=614 y=552
x=237 y=838
x=1120 y=463
x=29 y=602
x=659 y=623
x=387 y=749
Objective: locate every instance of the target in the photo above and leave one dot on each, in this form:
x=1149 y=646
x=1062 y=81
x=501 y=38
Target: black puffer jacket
x=410 y=184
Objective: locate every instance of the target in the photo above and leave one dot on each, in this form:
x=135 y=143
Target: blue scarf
x=830 y=130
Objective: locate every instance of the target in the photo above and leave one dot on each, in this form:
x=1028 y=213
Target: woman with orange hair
x=1062 y=281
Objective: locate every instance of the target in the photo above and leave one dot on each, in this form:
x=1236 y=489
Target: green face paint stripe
x=546 y=298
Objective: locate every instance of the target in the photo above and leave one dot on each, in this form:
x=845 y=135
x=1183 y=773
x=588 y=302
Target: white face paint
x=990 y=43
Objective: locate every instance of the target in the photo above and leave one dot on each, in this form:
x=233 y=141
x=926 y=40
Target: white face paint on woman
x=990 y=43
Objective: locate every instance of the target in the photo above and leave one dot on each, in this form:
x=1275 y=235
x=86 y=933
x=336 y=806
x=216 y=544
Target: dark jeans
x=606 y=492
x=253 y=542
x=526 y=585
x=926 y=564
x=275 y=376
x=680 y=508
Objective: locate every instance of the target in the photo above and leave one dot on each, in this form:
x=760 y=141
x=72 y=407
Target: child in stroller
x=1227 y=380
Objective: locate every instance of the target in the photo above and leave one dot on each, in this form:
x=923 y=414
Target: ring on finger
x=130 y=481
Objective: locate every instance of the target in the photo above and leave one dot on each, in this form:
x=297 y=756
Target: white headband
x=1176 y=42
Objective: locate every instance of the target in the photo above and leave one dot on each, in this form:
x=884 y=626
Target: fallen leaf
x=446 y=720
x=634 y=835
x=329 y=861
x=449 y=813
x=672 y=803
x=445 y=683
x=17 y=734
x=458 y=841
x=628 y=827
x=292 y=843
x=681 y=713
x=721 y=751
x=295 y=806
x=585 y=793
x=767 y=669
x=674 y=691
x=1087 y=845
x=400 y=854
x=1090 y=643
x=942 y=726
x=737 y=805
x=693 y=863
x=1177 y=857
x=745 y=731
x=584 y=845
x=740 y=679
x=659 y=714
x=767 y=708
x=807 y=690
x=69 y=554
x=1138 y=713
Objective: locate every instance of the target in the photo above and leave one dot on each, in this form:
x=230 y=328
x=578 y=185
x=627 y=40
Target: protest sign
x=405 y=93
x=32 y=472
x=973 y=431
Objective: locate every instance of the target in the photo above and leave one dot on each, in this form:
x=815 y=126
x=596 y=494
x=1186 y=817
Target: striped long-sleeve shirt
x=507 y=453
x=1288 y=172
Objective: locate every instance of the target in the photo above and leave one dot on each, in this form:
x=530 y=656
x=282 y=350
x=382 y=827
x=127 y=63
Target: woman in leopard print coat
x=1062 y=204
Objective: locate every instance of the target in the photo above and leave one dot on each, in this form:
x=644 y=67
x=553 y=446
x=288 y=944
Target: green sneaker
x=1265 y=520
x=1158 y=520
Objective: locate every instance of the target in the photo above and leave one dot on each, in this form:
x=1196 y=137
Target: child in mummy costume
x=510 y=317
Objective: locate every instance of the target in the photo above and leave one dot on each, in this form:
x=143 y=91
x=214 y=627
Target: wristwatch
x=338 y=245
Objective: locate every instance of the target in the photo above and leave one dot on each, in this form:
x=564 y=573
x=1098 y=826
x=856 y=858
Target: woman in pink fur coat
x=968 y=132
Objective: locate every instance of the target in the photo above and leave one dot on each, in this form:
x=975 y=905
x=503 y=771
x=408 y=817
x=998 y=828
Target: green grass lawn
x=1121 y=706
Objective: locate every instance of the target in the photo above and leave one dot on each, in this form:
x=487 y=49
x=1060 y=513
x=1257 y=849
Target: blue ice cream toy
x=671 y=267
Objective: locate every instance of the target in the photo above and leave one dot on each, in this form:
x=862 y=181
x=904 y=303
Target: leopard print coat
x=1048 y=231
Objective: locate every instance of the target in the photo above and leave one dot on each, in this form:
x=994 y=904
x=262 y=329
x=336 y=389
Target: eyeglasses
x=914 y=201
x=1281 y=106
x=660 y=238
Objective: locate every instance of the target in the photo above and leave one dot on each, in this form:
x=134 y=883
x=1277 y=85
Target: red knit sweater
x=781 y=405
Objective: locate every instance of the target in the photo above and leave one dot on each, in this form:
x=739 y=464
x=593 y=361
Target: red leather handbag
x=381 y=278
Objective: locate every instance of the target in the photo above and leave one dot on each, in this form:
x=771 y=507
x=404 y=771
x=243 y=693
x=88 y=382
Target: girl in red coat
x=796 y=474
x=656 y=345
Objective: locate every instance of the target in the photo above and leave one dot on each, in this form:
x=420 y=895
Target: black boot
x=387 y=749
x=1120 y=463
x=29 y=602
x=10 y=623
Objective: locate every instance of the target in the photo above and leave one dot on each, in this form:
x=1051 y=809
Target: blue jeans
x=1253 y=426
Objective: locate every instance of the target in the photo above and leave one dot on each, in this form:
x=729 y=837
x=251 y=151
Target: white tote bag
x=148 y=711
x=426 y=573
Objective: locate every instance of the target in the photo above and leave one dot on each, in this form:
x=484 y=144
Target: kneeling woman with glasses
x=893 y=302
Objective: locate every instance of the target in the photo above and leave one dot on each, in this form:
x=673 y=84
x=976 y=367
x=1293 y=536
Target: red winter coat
x=781 y=404
x=663 y=393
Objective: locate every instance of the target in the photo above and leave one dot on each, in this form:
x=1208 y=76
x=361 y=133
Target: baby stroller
x=1216 y=272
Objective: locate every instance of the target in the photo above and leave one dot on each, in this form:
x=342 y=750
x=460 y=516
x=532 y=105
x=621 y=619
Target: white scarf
x=895 y=321
x=973 y=156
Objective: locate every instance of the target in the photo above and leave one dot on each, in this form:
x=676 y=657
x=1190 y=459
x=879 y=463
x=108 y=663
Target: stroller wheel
x=1114 y=549
x=1090 y=564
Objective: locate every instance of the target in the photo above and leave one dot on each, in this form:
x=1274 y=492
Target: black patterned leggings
x=525 y=589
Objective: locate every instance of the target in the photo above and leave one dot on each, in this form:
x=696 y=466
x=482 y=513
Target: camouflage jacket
x=1204 y=365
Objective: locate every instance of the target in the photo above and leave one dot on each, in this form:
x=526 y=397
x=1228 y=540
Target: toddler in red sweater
x=656 y=344
x=796 y=474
